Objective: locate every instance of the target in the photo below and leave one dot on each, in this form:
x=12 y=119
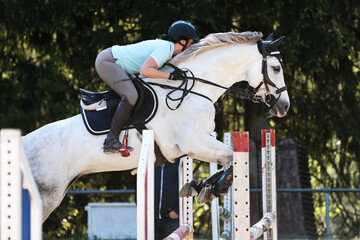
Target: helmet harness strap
x=184 y=45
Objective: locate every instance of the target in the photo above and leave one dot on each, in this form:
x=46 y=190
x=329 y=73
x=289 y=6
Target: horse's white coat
x=62 y=151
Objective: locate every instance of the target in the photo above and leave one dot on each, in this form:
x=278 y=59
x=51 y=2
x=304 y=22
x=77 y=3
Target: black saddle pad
x=98 y=120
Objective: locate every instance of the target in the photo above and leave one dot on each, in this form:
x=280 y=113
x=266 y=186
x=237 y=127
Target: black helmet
x=182 y=29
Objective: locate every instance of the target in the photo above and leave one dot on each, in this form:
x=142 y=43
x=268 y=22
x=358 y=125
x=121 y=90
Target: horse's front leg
x=206 y=148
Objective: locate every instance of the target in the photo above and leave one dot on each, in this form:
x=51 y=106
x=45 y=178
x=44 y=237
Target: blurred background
x=48 y=49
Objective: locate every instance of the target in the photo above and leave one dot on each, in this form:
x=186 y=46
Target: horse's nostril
x=286 y=108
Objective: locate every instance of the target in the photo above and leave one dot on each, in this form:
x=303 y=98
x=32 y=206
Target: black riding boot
x=121 y=115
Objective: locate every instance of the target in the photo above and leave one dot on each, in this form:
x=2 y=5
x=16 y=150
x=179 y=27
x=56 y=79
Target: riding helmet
x=182 y=29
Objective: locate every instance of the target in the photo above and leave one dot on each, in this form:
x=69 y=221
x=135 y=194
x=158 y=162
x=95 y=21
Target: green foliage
x=48 y=48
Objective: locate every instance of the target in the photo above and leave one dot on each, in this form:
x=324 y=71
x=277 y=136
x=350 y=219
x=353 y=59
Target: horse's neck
x=224 y=66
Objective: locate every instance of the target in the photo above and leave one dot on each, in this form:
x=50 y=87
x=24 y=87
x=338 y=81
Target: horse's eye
x=276 y=68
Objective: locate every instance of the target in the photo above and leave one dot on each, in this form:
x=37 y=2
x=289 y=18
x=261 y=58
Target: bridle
x=249 y=93
x=266 y=50
x=270 y=100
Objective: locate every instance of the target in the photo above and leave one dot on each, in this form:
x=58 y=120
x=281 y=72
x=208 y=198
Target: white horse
x=62 y=151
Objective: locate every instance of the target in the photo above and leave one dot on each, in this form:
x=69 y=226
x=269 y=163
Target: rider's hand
x=177 y=74
x=173 y=215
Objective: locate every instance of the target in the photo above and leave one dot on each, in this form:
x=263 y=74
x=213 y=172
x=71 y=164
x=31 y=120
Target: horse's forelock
x=215 y=40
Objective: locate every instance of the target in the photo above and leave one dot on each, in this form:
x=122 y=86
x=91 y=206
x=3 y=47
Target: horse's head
x=266 y=76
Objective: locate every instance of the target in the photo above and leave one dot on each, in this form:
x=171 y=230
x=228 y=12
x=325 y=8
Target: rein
x=185 y=90
x=247 y=94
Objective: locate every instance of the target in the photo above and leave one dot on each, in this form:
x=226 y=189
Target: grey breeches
x=114 y=76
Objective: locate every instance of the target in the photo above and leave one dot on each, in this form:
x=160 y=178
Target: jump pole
x=20 y=201
x=145 y=192
x=224 y=211
x=269 y=178
x=186 y=203
x=183 y=232
x=236 y=202
x=228 y=229
x=145 y=188
x=215 y=218
x=241 y=186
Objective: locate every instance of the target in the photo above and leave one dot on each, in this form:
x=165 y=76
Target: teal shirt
x=131 y=57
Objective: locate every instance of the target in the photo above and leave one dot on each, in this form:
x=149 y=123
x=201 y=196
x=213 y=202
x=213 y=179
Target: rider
x=115 y=63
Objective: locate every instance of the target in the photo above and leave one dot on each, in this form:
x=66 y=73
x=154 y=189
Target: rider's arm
x=148 y=69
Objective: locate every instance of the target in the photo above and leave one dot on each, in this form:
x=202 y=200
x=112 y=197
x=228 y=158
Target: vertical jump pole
x=10 y=195
x=228 y=201
x=241 y=187
x=269 y=178
x=145 y=188
x=20 y=201
x=215 y=218
x=186 y=203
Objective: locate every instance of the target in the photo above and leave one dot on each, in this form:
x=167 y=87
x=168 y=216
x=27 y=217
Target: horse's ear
x=274 y=44
x=270 y=37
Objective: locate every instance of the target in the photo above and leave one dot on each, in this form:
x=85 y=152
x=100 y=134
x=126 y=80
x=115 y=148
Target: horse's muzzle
x=280 y=109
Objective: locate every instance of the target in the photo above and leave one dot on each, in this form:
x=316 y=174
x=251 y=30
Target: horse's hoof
x=206 y=195
x=187 y=190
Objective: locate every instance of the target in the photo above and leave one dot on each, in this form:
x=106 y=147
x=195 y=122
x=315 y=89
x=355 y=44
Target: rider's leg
x=118 y=80
x=121 y=115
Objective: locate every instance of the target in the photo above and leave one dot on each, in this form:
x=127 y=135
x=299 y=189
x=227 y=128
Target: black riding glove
x=177 y=74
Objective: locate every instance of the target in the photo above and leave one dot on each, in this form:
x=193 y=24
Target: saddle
x=98 y=108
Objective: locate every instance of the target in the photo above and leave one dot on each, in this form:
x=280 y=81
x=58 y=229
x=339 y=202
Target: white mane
x=215 y=40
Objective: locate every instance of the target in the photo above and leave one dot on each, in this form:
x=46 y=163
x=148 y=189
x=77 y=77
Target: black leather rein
x=248 y=93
